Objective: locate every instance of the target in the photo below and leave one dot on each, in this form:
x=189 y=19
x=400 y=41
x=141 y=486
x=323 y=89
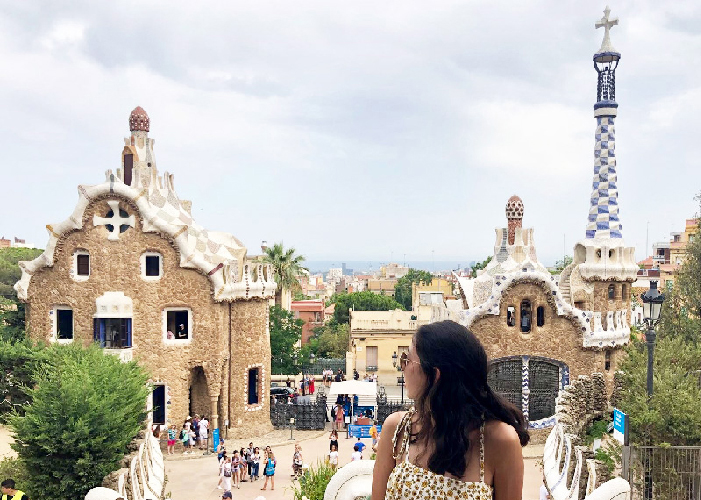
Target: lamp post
x=399 y=368
x=652 y=306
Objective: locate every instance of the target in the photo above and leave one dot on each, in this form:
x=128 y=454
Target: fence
x=310 y=416
x=672 y=472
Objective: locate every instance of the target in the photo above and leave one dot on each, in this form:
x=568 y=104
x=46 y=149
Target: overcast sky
x=355 y=130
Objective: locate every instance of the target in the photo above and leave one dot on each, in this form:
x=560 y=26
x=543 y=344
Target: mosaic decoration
x=603 y=210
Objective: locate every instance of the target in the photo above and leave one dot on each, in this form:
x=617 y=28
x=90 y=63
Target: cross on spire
x=607 y=24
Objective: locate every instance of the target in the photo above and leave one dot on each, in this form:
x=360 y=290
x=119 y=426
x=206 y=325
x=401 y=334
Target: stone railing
x=571 y=472
x=143 y=479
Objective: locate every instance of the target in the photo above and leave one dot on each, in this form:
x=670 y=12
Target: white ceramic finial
x=607 y=24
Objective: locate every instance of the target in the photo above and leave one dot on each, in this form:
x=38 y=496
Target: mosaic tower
x=599 y=279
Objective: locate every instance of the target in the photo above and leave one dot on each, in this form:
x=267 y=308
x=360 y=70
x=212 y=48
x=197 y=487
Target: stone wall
x=560 y=338
x=200 y=362
x=569 y=468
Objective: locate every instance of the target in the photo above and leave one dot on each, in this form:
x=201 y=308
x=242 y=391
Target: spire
x=603 y=211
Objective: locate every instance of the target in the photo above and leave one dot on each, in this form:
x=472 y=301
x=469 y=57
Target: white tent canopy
x=354 y=387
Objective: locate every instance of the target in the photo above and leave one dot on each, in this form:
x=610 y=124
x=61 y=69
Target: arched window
x=612 y=292
x=540 y=316
x=607 y=360
x=511 y=316
x=624 y=291
x=526 y=316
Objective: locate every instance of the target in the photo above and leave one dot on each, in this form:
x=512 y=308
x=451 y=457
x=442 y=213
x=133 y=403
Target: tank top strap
x=402 y=432
x=482 y=451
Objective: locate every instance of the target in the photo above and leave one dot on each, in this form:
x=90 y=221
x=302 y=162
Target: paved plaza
x=197 y=477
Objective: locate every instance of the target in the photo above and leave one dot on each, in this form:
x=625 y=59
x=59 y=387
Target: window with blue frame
x=113 y=333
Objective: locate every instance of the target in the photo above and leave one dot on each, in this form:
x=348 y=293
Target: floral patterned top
x=410 y=482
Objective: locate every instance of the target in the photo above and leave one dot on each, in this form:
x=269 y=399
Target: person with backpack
x=269 y=470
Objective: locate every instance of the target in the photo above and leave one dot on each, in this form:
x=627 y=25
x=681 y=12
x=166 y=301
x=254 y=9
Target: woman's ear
x=437 y=374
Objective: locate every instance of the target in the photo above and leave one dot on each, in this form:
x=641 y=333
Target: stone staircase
x=564 y=285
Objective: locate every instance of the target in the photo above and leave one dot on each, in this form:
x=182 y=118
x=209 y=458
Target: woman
x=236 y=468
x=256 y=463
x=226 y=474
x=333 y=457
x=297 y=462
x=461 y=437
x=339 y=417
x=333 y=438
x=222 y=460
x=269 y=470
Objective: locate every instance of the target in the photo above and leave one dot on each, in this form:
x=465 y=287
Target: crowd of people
x=194 y=433
x=244 y=465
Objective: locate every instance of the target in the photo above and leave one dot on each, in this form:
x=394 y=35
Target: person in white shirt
x=204 y=426
x=357 y=455
x=333 y=457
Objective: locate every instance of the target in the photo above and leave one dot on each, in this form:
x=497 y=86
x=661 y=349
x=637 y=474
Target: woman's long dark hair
x=453 y=405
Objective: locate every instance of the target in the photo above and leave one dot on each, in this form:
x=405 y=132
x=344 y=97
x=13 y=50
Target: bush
x=19 y=362
x=313 y=483
x=13 y=468
x=86 y=408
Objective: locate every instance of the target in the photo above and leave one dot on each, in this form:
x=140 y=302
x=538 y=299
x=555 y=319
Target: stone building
x=132 y=270
x=539 y=332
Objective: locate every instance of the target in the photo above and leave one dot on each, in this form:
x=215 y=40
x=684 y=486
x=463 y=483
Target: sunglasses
x=404 y=360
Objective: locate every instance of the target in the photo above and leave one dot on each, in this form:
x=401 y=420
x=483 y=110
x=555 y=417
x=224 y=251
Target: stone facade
x=198 y=282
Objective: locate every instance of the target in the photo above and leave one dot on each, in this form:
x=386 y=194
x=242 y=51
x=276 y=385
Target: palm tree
x=287 y=267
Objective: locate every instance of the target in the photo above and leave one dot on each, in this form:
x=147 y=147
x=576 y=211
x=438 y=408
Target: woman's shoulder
x=500 y=435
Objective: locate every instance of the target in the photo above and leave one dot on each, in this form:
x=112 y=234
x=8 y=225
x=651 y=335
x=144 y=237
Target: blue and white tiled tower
x=603 y=268
x=603 y=211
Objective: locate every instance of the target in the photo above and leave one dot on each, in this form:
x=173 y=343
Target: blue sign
x=361 y=431
x=215 y=439
x=619 y=425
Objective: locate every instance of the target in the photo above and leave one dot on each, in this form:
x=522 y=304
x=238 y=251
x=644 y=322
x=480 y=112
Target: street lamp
x=399 y=368
x=652 y=306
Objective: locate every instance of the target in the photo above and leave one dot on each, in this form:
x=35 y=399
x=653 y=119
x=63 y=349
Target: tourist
x=297 y=462
x=227 y=472
x=339 y=417
x=311 y=385
x=222 y=460
x=356 y=375
x=269 y=470
x=204 y=433
x=360 y=445
x=248 y=457
x=446 y=375
x=334 y=439
x=256 y=464
x=185 y=438
x=333 y=457
x=357 y=454
x=373 y=433
x=236 y=468
x=182 y=333
x=196 y=428
x=221 y=449
x=172 y=435
x=226 y=495
x=9 y=491
x=339 y=376
x=243 y=466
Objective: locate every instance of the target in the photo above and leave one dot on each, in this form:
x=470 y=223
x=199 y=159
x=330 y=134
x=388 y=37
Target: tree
x=12 y=324
x=86 y=408
x=285 y=332
x=480 y=266
x=561 y=264
x=286 y=266
x=361 y=301
x=19 y=365
x=330 y=341
x=681 y=310
x=403 y=288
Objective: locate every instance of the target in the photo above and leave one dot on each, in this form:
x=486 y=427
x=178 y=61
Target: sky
x=355 y=130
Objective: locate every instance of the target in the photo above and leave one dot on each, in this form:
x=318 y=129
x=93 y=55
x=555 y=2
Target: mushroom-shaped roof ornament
x=514 y=208
x=139 y=120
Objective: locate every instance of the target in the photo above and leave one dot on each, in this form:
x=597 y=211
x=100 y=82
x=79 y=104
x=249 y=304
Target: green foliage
x=285 y=332
x=11 y=309
x=86 y=408
x=330 y=341
x=402 y=290
x=298 y=295
x=313 y=483
x=19 y=364
x=673 y=414
x=561 y=264
x=287 y=266
x=597 y=430
x=608 y=457
x=681 y=310
x=481 y=265
x=361 y=301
